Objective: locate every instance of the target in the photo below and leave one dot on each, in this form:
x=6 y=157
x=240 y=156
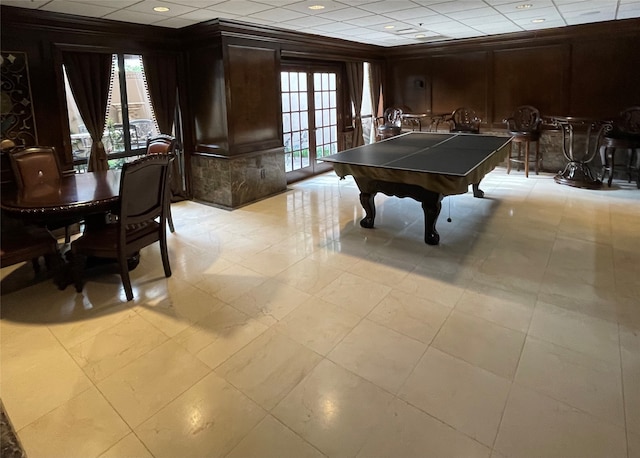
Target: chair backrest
x=629 y=122
x=524 y=119
x=464 y=119
x=392 y=117
x=143 y=187
x=35 y=165
x=161 y=144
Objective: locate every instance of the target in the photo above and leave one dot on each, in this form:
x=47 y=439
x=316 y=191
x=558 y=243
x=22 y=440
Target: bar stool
x=524 y=126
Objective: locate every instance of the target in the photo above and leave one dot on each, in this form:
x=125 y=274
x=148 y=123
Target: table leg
x=578 y=174
x=367 y=200
x=431 y=207
x=430 y=200
x=477 y=192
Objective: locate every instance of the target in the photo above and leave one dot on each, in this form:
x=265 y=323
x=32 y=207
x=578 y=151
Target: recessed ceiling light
x=421 y=35
x=316 y=7
x=537 y=21
x=524 y=6
x=160 y=9
x=389 y=26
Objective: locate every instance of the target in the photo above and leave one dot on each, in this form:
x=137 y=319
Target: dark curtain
x=355 y=79
x=162 y=80
x=89 y=75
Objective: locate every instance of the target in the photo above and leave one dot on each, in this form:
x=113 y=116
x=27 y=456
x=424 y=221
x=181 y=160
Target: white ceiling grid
x=378 y=22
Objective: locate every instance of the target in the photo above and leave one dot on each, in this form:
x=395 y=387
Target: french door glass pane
x=301 y=150
x=326 y=114
x=294 y=120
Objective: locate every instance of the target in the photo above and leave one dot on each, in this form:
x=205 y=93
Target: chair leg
x=124 y=274
x=509 y=158
x=526 y=159
x=78 y=263
x=170 y=218
x=164 y=253
x=610 y=162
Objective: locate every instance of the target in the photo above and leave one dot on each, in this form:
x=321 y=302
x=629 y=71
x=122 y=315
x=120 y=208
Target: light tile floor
x=287 y=330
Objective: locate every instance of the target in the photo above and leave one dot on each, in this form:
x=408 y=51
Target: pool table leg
x=477 y=192
x=368 y=203
x=431 y=206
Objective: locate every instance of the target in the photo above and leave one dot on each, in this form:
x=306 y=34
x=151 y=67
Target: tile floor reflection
x=287 y=330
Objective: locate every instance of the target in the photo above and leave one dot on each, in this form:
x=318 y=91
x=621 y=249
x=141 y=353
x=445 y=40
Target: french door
x=310 y=113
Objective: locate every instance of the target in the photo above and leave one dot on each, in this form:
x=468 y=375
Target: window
x=130 y=119
x=366 y=111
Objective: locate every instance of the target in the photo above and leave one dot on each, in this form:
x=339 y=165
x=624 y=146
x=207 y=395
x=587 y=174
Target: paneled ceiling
x=378 y=22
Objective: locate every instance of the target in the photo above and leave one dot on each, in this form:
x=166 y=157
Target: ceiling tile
x=23 y=4
x=498 y=28
x=385 y=6
x=332 y=27
x=512 y=7
x=303 y=7
x=474 y=13
x=345 y=14
x=360 y=20
x=310 y=21
x=410 y=13
x=132 y=16
x=81 y=9
x=193 y=3
x=241 y=7
x=367 y=21
x=201 y=15
x=277 y=15
x=176 y=22
x=147 y=6
x=588 y=18
x=452 y=7
x=115 y=4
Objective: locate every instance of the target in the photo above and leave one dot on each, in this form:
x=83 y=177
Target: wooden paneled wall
x=589 y=70
x=229 y=73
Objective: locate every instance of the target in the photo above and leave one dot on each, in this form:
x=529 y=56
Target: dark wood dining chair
x=389 y=124
x=164 y=144
x=140 y=221
x=36 y=165
x=622 y=133
x=524 y=126
x=21 y=243
x=464 y=119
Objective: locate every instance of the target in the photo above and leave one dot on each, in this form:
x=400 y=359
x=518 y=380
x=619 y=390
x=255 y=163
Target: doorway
x=309 y=118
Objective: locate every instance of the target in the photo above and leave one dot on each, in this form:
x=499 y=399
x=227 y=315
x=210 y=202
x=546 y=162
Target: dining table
x=73 y=195
x=89 y=196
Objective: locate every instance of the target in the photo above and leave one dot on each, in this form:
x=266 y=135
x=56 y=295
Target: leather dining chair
x=622 y=133
x=22 y=243
x=140 y=221
x=389 y=124
x=37 y=165
x=524 y=126
x=464 y=119
x=164 y=144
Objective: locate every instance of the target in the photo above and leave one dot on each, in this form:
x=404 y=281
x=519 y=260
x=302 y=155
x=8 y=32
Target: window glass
x=130 y=119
